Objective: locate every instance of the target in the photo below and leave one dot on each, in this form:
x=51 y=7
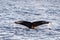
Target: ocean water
x=29 y=10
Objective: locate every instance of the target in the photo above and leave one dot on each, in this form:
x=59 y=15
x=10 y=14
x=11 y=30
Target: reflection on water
x=12 y=10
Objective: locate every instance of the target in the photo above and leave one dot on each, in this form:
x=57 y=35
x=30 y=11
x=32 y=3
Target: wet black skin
x=30 y=24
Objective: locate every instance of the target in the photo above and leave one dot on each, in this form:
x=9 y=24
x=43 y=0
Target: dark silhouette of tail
x=31 y=25
x=37 y=23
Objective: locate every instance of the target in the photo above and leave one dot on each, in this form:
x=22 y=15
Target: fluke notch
x=32 y=25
